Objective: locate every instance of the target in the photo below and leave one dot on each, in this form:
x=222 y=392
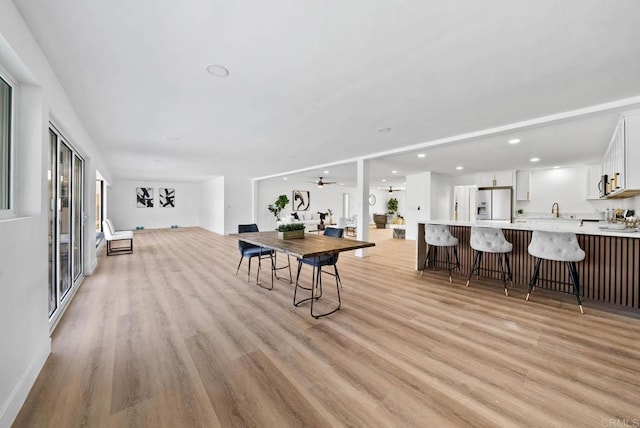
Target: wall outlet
x=139 y=227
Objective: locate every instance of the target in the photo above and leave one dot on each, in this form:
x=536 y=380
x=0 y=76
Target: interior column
x=362 y=196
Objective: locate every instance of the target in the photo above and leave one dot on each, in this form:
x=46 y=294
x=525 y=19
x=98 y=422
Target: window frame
x=10 y=212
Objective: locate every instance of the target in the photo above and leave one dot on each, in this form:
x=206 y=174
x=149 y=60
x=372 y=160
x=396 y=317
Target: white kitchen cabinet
x=622 y=158
x=594 y=174
x=523 y=185
x=495 y=179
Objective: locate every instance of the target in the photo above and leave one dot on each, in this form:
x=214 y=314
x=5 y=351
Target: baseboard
x=16 y=399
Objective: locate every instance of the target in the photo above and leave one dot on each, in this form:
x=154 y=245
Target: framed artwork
x=300 y=200
x=144 y=197
x=167 y=197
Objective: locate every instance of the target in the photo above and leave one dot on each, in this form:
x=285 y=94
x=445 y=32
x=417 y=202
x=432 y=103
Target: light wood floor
x=170 y=337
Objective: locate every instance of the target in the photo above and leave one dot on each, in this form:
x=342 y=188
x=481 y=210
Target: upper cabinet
x=623 y=180
x=523 y=187
x=594 y=176
x=495 y=179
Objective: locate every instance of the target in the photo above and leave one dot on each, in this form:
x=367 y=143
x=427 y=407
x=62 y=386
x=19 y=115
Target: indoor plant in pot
x=278 y=206
x=291 y=231
x=392 y=208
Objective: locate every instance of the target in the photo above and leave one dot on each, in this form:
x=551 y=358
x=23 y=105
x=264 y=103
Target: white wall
x=212 y=205
x=418 y=202
x=238 y=203
x=321 y=199
x=441 y=194
x=125 y=214
x=24 y=323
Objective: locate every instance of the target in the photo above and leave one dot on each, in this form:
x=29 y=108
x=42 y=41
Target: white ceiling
x=312 y=82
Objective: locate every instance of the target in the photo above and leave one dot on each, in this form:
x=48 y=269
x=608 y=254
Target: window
x=5 y=144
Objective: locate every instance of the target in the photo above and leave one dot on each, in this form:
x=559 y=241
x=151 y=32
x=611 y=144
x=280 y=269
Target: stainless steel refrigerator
x=494 y=203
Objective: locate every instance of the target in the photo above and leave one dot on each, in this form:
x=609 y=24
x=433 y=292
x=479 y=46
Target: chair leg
x=249 y=270
x=238 y=270
x=534 y=278
x=474 y=266
x=312 y=288
x=573 y=273
x=260 y=257
x=319 y=284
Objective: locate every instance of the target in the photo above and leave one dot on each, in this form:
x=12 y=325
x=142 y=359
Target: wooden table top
x=309 y=246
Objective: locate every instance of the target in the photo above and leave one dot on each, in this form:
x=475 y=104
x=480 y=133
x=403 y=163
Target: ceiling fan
x=320 y=182
x=391 y=189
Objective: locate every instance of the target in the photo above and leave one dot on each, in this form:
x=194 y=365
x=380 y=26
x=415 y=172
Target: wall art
x=144 y=197
x=300 y=200
x=167 y=197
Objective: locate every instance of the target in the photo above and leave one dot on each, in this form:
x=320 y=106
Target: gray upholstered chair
x=559 y=247
x=491 y=240
x=438 y=235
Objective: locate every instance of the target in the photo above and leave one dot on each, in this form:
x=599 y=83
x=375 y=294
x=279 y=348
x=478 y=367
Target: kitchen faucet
x=555 y=208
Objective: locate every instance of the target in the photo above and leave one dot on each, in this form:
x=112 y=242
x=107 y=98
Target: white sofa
x=310 y=219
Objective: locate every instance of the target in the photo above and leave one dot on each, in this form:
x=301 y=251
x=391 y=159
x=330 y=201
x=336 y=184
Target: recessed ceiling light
x=534 y=159
x=384 y=129
x=556 y=167
x=326 y=172
x=342 y=184
x=394 y=172
x=173 y=139
x=384 y=179
x=284 y=178
x=421 y=155
x=459 y=168
x=217 y=70
x=514 y=141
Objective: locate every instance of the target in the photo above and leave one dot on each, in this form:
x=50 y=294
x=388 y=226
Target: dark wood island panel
x=610 y=272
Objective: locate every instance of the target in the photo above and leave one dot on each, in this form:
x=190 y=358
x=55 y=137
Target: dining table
x=309 y=247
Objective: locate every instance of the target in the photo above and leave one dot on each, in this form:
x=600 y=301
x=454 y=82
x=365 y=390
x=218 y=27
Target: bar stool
x=559 y=247
x=491 y=240
x=438 y=235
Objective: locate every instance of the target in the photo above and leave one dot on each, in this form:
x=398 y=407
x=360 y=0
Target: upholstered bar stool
x=559 y=247
x=438 y=235
x=491 y=240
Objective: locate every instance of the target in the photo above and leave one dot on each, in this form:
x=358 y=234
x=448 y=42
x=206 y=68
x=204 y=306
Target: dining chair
x=250 y=251
x=316 y=279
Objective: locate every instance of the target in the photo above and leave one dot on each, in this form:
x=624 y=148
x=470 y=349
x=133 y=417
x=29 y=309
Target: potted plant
x=278 y=206
x=392 y=208
x=291 y=231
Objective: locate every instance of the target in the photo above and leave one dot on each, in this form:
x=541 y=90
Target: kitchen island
x=610 y=272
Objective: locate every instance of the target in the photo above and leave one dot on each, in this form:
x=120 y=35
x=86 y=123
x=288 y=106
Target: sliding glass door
x=65 y=219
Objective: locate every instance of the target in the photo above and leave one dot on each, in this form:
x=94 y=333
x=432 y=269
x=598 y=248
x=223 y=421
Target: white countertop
x=553 y=225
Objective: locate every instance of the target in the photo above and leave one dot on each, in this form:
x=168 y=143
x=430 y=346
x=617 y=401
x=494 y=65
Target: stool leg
x=534 y=278
x=474 y=266
x=503 y=274
x=426 y=260
x=573 y=273
x=509 y=274
x=455 y=253
x=479 y=264
x=449 y=263
x=435 y=257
